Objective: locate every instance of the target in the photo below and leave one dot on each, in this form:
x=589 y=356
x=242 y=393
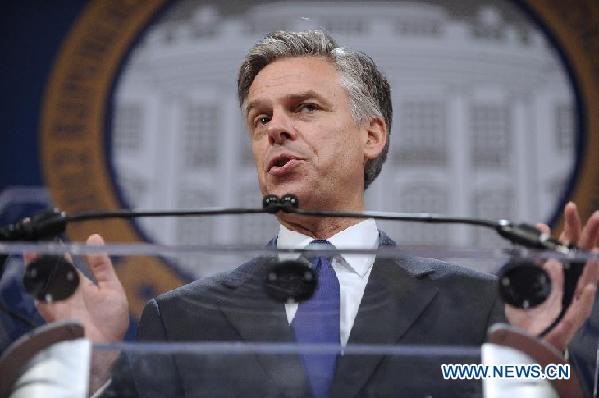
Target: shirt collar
x=363 y=235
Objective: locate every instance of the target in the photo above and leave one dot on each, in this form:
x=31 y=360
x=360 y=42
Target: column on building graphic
x=483 y=118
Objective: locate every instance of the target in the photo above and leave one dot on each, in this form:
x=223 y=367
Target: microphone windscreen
x=290 y=281
x=524 y=284
x=51 y=278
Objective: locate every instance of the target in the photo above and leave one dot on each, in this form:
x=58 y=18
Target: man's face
x=304 y=138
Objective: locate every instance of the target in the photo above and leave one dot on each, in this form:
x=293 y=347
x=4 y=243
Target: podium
x=228 y=334
x=51 y=361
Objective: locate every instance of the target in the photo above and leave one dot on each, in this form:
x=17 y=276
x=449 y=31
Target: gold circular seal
x=574 y=26
x=72 y=131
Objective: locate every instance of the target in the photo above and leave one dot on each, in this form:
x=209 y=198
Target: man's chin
x=301 y=194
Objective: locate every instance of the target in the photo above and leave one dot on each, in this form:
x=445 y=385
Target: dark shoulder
x=431 y=267
x=213 y=285
x=442 y=271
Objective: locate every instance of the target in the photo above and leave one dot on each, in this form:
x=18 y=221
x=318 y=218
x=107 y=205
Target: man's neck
x=317 y=227
x=323 y=227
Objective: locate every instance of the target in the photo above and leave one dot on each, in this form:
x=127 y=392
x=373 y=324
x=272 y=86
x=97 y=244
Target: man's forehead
x=292 y=78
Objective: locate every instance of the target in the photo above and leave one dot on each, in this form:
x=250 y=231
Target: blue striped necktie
x=317 y=321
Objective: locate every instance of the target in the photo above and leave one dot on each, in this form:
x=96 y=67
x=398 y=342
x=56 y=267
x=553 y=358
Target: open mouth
x=282 y=164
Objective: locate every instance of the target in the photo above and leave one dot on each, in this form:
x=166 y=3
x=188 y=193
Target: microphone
x=522 y=234
x=525 y=284
x=53 y=222
x=51 y=278
x=47 y=278
x=290 y=281
x=522 y=284
x=529 y=236
x=44 y=277
x=45 y=225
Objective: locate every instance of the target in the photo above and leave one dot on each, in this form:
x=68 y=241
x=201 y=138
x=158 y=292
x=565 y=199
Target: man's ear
x=376 y=137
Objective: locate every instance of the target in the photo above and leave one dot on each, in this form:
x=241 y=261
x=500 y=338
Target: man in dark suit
x=319 y=118
x=408 y=300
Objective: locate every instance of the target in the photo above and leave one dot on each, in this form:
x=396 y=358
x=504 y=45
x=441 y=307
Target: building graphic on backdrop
x=483 y=120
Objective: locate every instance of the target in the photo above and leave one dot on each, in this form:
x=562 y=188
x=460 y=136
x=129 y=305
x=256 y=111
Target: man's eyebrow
x=307 y=95
x=257 y=103
x=247 y=107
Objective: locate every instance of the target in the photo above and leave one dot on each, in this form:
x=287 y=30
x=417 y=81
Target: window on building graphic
x=418 y=27
x=254 y=228
x=169 y=36
x=134 y=189
x=128 y=127
x=422 y=198
x=258 y=25
x=205 y=22
x=556 y=186
x=192 y=230
x=203 y=31
x=489 y=24
x=490 y=129
x=491 y=204
x=488 y=33
x=564 y=128
x=344 y=25
x=200 y=136
x=422 y=134
x=245 y=149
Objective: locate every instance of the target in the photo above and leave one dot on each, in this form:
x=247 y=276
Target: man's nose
x=280 y=128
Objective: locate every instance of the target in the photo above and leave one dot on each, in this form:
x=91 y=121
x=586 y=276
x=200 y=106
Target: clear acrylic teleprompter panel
x=222 y=369
x=146 y=270
x=227 y=309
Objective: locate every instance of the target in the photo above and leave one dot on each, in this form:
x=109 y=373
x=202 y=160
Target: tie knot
x=317 y=259
x=321 y=244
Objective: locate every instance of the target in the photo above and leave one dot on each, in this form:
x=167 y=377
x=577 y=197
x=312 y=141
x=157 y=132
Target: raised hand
x=535 y=320
x=101 y=307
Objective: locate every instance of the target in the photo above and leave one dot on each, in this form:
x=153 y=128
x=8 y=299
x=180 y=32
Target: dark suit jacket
x=407 y=300
x=583 y=350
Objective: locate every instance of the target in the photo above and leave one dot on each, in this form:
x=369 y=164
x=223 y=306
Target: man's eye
x=307 y=107
x=261 y=120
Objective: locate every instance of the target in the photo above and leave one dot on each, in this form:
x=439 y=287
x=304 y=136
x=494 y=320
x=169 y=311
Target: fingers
x=590 y=274
x=589 y=240
x=45 y=311
x=578 y=312
x=51 y=311
x=555 y=270
x=554 y=301
x=590 y=234
x=100 y=263
x=29 y=257
x=572 y=225
x=544 y=228
x=587 y=300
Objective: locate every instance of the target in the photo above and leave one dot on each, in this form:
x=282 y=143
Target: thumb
x=100 y=263
x=544 y=228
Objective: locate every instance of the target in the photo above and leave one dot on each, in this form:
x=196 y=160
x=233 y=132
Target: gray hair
x=368 y=89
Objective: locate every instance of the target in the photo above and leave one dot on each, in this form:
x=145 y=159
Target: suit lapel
x=393 y=300
x=258 y=319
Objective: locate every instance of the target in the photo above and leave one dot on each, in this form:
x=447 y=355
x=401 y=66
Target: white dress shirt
x=352 y=270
